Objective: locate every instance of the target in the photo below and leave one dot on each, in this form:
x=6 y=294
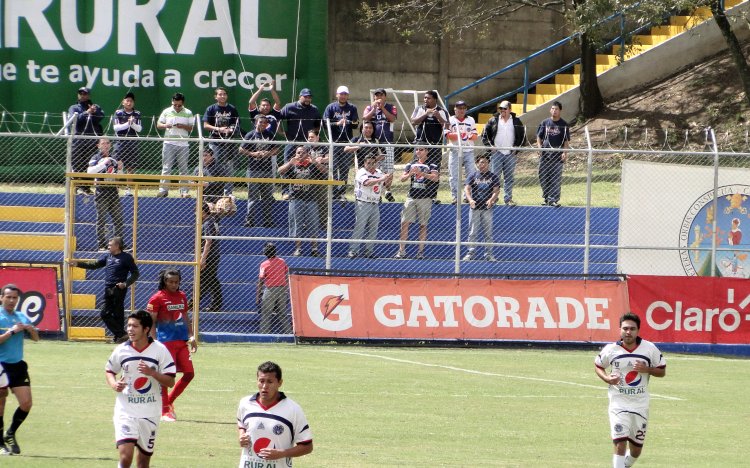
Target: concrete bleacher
x=166 y=232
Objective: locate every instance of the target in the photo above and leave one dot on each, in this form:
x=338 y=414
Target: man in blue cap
x=301 y=116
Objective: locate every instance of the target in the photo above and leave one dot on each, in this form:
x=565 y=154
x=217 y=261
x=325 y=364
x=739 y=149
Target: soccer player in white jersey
x=272 y=428
x=144 y=366
x=626 y=366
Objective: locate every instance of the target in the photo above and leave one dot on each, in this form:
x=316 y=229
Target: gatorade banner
x=675 y=309
x=451 y=309
x=154 y=48
x=38 y=299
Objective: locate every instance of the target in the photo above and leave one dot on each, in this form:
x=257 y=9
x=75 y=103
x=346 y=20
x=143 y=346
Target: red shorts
x=181 y=355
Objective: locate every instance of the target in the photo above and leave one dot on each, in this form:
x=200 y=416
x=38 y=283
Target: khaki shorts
x=418 y=209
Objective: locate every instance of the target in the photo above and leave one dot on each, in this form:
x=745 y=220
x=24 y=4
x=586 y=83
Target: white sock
x=618 y=461
x=630 y=459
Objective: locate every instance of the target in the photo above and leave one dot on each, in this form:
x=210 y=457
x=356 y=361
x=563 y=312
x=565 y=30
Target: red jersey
x=171 y=309
x=273 y=272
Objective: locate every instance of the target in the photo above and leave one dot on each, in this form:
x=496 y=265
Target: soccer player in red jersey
x=169 y=308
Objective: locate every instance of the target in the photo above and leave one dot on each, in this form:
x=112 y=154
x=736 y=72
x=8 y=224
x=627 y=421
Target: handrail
x=525 y=62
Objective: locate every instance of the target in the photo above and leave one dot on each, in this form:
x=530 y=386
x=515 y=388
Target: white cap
x=342 y=89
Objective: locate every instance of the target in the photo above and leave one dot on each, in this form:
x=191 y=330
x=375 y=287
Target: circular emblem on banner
x=722 y=223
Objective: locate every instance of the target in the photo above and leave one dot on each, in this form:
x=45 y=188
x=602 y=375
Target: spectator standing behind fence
x=344 y=119
x=301 y=116
x=365 y=145
x=272 y=294
x=304 y=219
x=120 y=271
x=222 y=120
x=107 y=198
x=319 y=153
x=210 y=258
x=212 y=190
x=481 y=190
x=169 y=308
x=430 y=119
x=504 y=130
x=177 y=122
x=369 y=183
x=127 y=123
x=272 y=113
x=259 y=165
x=88 y=122
x=553 y=132
x=460 y=127
x=418 y=205
x=15 y=372
x=383 y=115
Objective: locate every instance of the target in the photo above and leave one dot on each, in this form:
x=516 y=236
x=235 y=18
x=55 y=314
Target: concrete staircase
x=564 y=82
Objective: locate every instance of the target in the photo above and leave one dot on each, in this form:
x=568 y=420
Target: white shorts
x=628 y=425
x=3 y=377
x=139 y=431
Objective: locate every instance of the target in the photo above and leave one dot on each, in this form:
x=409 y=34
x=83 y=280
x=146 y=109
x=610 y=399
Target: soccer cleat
x=4 y=451
x=168 y=417
x=10 y=442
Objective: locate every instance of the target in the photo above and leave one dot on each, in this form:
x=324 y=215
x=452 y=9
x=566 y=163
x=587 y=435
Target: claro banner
x=692 y=309
x=448 y=309
x=38 y=294
x=154 y=48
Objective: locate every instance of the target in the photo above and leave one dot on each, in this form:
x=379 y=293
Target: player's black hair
x=481 y=156
x=432 y=93
x=266 y=99
x=166 y=273
x=557 y=104
x=118 y=240
x=10 y=286
x=269 y=250
x=631 y=316
x=144 y=317
x=220 y=88
x=268 y=367
x=178 y=97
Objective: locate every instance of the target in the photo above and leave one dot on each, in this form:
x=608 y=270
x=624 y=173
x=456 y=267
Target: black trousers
x=113 y=310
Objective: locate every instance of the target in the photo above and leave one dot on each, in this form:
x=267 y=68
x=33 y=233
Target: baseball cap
x=459 y=104
x=505 y=104
x=84 y=89
x=379 y=91
x=305 y=92
x=342 y=89
x=130 y=95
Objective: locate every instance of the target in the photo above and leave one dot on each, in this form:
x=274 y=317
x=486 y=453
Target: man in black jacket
x=504 y=131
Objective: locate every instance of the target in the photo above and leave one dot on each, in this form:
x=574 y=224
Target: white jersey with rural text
x=141 y=398
x=280 y=426
x=632 y=391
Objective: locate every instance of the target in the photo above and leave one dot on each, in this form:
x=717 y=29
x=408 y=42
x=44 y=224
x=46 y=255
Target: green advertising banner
x=154 y=48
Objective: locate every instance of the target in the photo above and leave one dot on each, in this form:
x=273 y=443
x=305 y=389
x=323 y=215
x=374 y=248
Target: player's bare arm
x=296 y=451
x=611 y=379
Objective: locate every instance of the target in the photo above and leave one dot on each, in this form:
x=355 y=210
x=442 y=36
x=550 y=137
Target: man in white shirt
x=461 y=133
x=369 y=183
x=504 y=131
x=177 y=122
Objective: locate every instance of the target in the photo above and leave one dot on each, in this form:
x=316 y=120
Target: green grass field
x=409 y=407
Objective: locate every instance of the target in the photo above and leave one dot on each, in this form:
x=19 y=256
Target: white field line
x=490 y=374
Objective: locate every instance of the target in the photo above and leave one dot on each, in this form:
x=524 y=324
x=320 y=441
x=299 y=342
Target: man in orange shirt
x=273 y=291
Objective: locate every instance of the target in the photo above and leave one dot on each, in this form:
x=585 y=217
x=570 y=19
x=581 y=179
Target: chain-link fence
x=631 y=201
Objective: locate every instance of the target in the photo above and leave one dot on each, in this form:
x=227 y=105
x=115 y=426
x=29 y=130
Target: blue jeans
x=454 y=168
x=366 y=222
x=480 y=220
x=550 y=176
x=224 y=156
x=259 y=199
x=304 y=219
x=504 y=166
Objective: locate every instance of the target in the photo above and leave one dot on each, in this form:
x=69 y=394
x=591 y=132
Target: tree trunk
x=734 y=46
x=591 y=102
